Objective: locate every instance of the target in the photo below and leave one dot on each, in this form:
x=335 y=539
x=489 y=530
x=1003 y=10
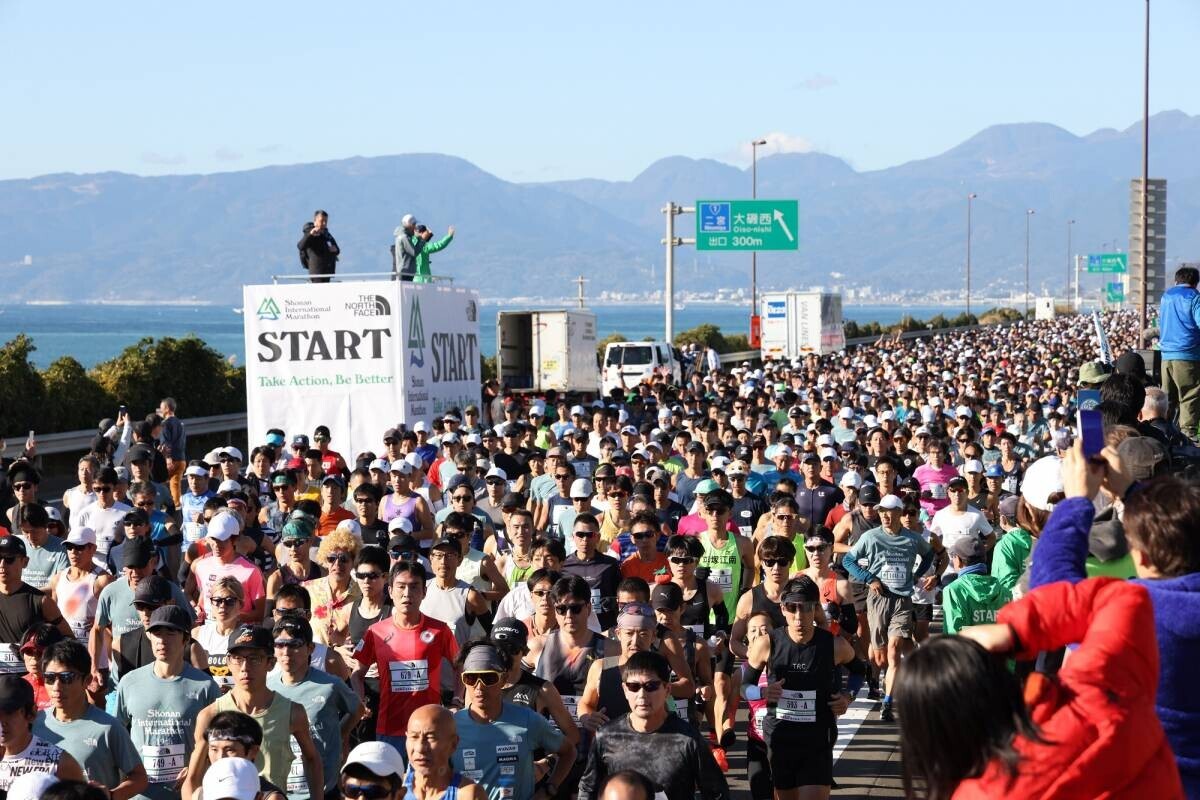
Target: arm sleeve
x=1008 y=561
x=953 y=612
x=118 y=457
x=721 y=617
x=850 y=562
x=1113 y=621
x=1063 y=546
x=440 y=244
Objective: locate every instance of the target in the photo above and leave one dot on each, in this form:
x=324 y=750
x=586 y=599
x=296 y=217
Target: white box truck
x=795 y=324
x=547 y=349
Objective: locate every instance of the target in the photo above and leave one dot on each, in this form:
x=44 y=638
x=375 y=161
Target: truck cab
x=629 y=363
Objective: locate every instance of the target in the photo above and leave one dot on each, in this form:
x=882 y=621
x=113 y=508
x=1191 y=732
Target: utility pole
x=1141 y=337
x=970 y=197
x=1067 y=297
x=754 y=145
x=580 y=281
x=1029 y=212
x=672 y=241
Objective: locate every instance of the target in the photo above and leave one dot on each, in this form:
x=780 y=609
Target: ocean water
x=93 y=333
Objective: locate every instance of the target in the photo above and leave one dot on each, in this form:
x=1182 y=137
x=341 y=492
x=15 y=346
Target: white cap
x=31 y=785
x=229 y=485
x=630 y=430
x=496 y=472
x=581 y=487
x=846 y=413
x=415 y=461
x=400 y=524
x=408 y=220
x=972 y=465
x=196 y=470
x=232 y=452
x=54 y=514
x=449 y=438
x=81 y=536
x=963 y=411
x=223 y=527
x=402 y=466
x=213 y=457
x=922 y=431
x=420 y=427
x=827 y=453
x=870 y=420
x=890 y=501
x=719 y=463
x=379 y=757
x=231 y=779
x=1042 y=479
x=887 y=416
x=851 y=480
x=825 y=440
x=351 y=527
x=380 y=464
x=578 y=411
x=472 y=438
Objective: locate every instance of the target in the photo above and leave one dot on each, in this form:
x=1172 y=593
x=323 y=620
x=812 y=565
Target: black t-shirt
x=603 y=575
x=674 y=758
x=513 y=465
x=375 y=533
x=747 y=511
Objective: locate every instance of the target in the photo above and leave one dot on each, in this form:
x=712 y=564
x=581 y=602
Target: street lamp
x=1141 y=337
x=1029 y=212
x=754 y=145
x=1070 y=222
x=970 y=197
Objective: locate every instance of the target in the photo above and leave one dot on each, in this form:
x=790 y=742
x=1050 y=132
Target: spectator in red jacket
x=1089 y=731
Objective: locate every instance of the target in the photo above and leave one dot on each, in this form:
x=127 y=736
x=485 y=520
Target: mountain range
x=114 y=236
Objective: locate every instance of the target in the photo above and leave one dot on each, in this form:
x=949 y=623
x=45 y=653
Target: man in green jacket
x=422 y=274
x=974 y=597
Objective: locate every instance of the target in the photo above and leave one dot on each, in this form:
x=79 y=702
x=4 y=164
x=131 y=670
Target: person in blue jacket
x=1179 y=341
x=1162 y=523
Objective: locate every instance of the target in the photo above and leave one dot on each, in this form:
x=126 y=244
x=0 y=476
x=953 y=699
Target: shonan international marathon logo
x=268 y=310
x=416 y=334
x=370 y=305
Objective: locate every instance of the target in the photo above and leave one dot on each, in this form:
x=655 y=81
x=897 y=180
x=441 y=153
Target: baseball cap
x=196 y=471
x=336 y=480
x=973 y=465
x=152 y=590
x=351 y=527
x=12 y=546
x=496 y=472
x=292 y=627
x=223 y=527
x=994 y=470
x=379 y=757
x=891 y=502
x=957 y=482
x=718 y=498
x=869 y=495
x=581 y=487
x=666 y=595
x=232 y=452
x=512 y=500
x=1042 y=479
x=851 y=480
x=380 y=464
x=968 y=548
x=254 y=636
x=1141 y=456
x=637 y=616
x=231 y=779
x=1008 y=506
x=228 y=485
x=400 y=465
x=80 y=537
x=170 y=617
x=137 y=552
x=457 y=482
x=846 y=412
x=140 y=452
x=15 y=693
x=400 y=524
x=509 y=633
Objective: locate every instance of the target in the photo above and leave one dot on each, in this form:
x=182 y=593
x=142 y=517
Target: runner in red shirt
x=331 y=460
x=408 y=648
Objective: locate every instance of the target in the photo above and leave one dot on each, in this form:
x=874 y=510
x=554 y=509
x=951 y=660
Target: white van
x=637 y=361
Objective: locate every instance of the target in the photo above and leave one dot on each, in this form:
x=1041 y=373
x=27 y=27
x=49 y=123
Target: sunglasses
x=294 y=543
x=9 y=559
x=279 y=612
x=462 y=498
x=223 y=601
x=73 y=547
x=494 y=482
x=145 y=504
x=785 y=517
x=365 y=791
x=402 y=554
x=562 y=477
x=366 y=500
x=486 y=678
x=773 y=563
x=22 y=486
x=368 y=576
x=65 y=678
x=642 y=536
x=815 y=548
x=571 y=608
x=807 y=607
x=585 y=534
x=338 y=558
x=633 y=687
x=102 y=488
x=540 y=592
x=682 y=560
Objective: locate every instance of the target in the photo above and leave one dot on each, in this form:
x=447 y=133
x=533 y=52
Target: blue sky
x=542 y=91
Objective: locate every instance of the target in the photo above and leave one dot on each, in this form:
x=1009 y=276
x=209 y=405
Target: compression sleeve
x=721 y=615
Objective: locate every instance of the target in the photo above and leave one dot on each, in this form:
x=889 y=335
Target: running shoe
x=720 y=758
x=886 y=714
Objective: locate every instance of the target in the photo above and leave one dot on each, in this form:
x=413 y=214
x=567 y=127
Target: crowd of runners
x=547 y=598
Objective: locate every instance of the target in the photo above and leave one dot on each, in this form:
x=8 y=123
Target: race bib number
x=696 y=629
x=597 y=602
x=164 y=763
x=81 y=628
x=192 y=533
x=722 y=577
x=571 y=701
x=797 y=706
x=681 y=708
x=10 y=660
x=892 y=575
x=760 y=715
x=297 y=784
x=938 y=491
x=409 y=676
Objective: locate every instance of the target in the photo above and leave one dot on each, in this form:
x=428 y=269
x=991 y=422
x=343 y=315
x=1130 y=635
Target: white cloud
x=816 y=83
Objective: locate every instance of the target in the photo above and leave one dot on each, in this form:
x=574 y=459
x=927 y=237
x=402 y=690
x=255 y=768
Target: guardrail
x=79 y=441
x=381 y=276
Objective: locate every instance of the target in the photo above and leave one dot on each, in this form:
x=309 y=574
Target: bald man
x=627 y=785
x=431 y=739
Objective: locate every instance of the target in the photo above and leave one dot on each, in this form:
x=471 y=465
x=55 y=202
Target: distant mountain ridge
x=119 y=236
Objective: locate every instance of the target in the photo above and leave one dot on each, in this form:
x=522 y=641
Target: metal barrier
x=371 y=276
x=79 y=441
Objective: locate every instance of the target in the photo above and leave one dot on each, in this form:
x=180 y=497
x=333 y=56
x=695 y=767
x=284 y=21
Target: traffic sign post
x=1108 y=262
x=747 y=225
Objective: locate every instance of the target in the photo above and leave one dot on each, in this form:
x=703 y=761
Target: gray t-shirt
x=44 y=561
x=327 y=700
x=160 y=714
x=96 y=740
x=115 y=606
x=890 y=558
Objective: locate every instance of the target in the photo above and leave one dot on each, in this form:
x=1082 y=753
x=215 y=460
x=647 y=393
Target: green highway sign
x=747 y=225
x=1108 y=262
x=1114 y=292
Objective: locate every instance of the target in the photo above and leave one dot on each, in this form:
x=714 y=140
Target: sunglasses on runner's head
x=807 y=607
x=488 y=678
x=570 y=608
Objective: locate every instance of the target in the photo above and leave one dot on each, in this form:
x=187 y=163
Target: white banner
x=360 y=357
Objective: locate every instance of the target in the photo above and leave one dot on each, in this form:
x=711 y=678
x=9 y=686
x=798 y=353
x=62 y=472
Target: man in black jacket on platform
x=318 y=249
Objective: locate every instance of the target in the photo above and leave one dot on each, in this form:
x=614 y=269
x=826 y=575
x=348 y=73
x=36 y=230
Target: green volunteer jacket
x=972 y=599
x=422 y=273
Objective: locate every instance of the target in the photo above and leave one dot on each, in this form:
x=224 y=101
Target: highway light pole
x=970 y=197
x=1141 y=337
x=1029 y=212
x=1070 y=222
x=754 y=145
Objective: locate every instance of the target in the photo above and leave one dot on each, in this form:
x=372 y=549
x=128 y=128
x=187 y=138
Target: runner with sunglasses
x=775 y=556
x=21 y=605
x=296 y=565
x=497 y=739
x=652 y=740
x=803 y=693
x=602 y=573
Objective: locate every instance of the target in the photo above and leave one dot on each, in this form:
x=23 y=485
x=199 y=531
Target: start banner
x=360 y=357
